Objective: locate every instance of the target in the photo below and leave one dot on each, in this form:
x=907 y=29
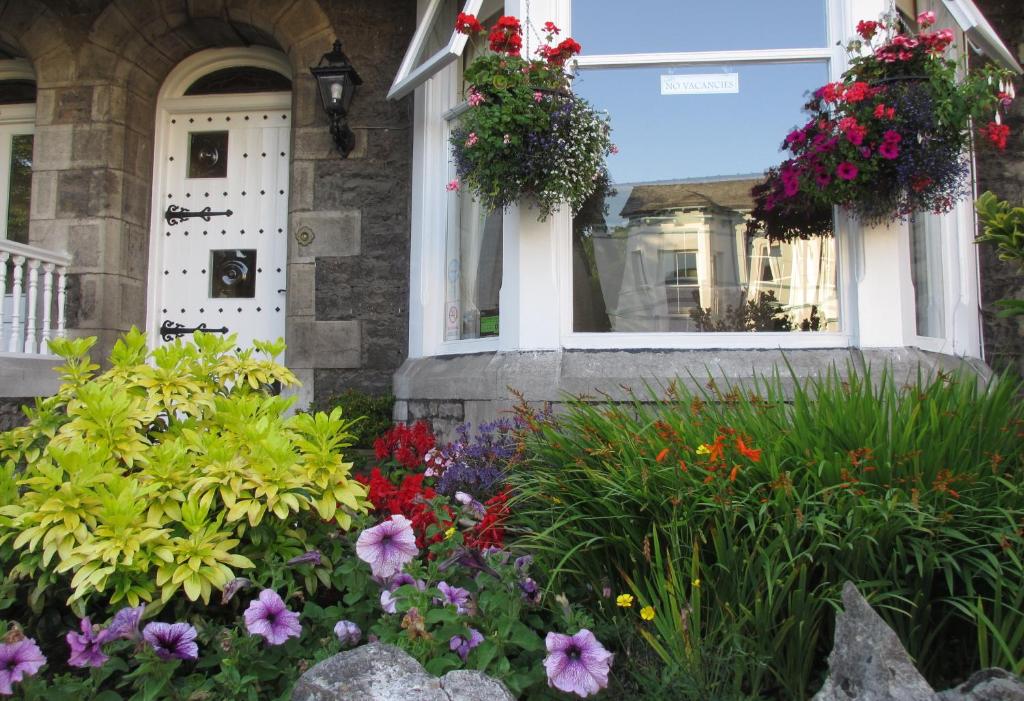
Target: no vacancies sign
x=703 y=84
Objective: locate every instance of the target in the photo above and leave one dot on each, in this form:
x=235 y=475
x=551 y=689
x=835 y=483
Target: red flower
x=550 y=28
x=751 y=453
x=846 y=171
x=920 y=182
x=857 y=91
x=889 y=150
x=867 y=28
x=406 y=445
x=411 y=500
x=996 y=133
x=506 y=36
x=490 y=532
x=468 y=24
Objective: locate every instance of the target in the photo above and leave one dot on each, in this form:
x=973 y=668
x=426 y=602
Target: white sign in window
x=703 y=84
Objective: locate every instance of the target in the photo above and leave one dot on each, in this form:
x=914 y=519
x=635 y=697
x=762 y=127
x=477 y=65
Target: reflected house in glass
x=678 y=257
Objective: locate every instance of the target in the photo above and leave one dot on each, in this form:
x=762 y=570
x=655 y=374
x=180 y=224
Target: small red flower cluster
x=468 y=24
x=997 y=134
x=404 y=444
x=410 y=499
x=490 y=532
x=506 y=36
x=558 y=55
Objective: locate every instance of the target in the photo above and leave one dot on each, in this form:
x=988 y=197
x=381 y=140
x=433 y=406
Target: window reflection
x=20 y=188
x=473 y=270
x=665 y=245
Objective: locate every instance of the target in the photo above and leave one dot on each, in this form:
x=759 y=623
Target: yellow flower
x=449 y=533
x=624 y=600
x=647 y=613
x=702 y=449
x=696 y=584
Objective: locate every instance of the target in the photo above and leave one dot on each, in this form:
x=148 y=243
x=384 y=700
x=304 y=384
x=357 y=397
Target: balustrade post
x=44 y=342
x=4 y=257
x=33 y=299
x=14 y=344
x=62 y=273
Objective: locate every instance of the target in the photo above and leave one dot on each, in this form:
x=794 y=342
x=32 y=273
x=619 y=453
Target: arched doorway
x=219 y=228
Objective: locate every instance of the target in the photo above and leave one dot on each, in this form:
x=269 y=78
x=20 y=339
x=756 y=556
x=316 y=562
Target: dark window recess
x=233 y=273
x=208 y=154
x=16 y=92
x=240 y=79
x=19 y=197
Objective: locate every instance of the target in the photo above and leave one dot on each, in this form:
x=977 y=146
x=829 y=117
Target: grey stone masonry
x=481 y=387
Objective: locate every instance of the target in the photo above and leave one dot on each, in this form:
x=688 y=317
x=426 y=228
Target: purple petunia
x=348 y=633
x=232 y=588
x=461 y=646
x=388 y=602
x=18 y=660
x=387 y=546
x=455 y=596
x=267 y=616
x=124 y=626
x=577 y=664
x=85 y=646
x=313 y=557
x=172 y=640
x=531 y=592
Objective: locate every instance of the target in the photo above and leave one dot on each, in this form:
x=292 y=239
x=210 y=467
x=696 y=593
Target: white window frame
x=874 y=288
x=15 y=120
x=410 y=75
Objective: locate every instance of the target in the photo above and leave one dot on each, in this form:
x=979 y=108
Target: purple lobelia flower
x=577 y=664
x=387 y=546
x=18 y=660
x=172 y=640
x=348 y=633
x=455 y=596
x=269 y=617
x=124 y=626
x=461 y=646
x=313 y=557
x=85 y=646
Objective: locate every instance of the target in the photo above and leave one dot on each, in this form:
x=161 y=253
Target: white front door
x=220 y=258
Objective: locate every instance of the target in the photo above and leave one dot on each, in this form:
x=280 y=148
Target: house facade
x=169 y=165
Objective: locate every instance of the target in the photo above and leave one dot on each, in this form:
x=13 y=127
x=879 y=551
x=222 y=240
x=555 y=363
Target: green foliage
x=1003 y=226
x=172 y=471
x=738 y=516
x=374 y=410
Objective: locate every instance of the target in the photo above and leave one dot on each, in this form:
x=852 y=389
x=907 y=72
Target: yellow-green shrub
x=155 y=475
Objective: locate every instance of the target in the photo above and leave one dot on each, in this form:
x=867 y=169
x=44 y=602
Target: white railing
x=27 y=313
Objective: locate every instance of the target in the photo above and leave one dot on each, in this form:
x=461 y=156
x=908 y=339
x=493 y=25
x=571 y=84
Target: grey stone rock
x=378 y=672
x=991 y=684
x=868 y=662
x=473 y=685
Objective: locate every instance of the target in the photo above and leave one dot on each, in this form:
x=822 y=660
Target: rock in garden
x=987 y=685
x=378 y=672
x=868 y=662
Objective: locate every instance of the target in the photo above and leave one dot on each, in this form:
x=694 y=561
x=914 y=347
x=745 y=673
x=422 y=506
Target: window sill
x=705 y=341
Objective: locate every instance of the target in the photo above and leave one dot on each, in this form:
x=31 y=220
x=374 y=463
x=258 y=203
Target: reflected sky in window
x=674 y=137
x=613 y=26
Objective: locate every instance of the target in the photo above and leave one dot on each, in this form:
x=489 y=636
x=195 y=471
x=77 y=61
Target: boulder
x=991 y=684
x=379 y=672
x=868 y=662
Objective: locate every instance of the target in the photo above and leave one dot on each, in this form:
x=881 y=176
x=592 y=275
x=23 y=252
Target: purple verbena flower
x=313 y=557
x=455 y=596
x=172 y=640
x=268 y=616
x=348 y=633
x=124 y=626
x=577 y=664
x=18 y=660
x=85 y=646
x=387 y=546
x=461 y=646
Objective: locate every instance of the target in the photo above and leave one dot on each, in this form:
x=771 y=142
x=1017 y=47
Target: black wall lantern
x=337 y=81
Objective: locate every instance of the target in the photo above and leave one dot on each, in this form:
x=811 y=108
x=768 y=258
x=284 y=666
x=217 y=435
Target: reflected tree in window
x=19 y=196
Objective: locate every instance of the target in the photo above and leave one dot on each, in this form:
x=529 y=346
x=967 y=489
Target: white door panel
x=225 y=271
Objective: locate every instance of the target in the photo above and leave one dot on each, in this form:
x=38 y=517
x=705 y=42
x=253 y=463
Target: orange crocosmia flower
x=751 y=453
x=732 y=473
x=715 y=449
x=662 y=455
x=682 y=466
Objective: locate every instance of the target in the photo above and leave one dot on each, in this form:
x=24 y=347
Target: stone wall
x=99 y=66
x=1003 y=174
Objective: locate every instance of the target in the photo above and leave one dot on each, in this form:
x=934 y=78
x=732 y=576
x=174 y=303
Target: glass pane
x=240 y=79
x=233 y=273
x=208 y=154
x=440 y=31
x=20 y=195
x=14 y=92
x=616 y=27
x=926 y=273
x=665 y=246
x=473 y=270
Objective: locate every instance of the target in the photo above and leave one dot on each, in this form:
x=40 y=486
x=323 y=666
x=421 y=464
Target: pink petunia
x=846 y=171
x=452 y=186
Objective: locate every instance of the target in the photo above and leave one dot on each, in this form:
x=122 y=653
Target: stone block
x=45 y=106
x=97 y=146
x=313 y=143
x=44 y=195
x=40 y=38
x=301 y=19
x=323 y=344
x=52 y=147
x=322 y=234
x=55 y=69
x=301 y=289
x=133 y=304
x=98 y=302
x=135 y=252
x=112 y=29
x=307 y=52
x=28 y=377
x=300 y=191
x=87 y=245
x=109 y=104
x=73 y=105
x=136 y=200
x=89 y=193
x=51 y=234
